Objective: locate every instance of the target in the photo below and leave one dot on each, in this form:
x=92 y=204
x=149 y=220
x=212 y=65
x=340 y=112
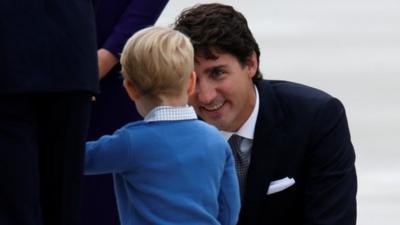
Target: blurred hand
x=106 y=60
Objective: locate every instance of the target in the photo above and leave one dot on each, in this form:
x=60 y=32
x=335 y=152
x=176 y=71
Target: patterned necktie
x=242 y=161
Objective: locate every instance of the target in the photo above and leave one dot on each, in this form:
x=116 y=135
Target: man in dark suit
x=48 y=73
x=294 y=156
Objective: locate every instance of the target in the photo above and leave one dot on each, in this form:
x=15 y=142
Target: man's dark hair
x=217 y=27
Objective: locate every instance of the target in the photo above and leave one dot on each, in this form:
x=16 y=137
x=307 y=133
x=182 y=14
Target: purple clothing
x=117 y=20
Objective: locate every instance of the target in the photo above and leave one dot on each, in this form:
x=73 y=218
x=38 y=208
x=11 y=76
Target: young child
x=170 y=168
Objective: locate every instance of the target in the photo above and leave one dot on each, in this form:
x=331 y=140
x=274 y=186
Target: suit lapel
x=269 y=138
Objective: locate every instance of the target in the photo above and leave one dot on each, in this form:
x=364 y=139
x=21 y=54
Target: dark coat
x=47 y=46
x=301 y=133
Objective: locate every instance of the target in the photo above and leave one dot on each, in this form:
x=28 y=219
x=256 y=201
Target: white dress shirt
x=247 y=129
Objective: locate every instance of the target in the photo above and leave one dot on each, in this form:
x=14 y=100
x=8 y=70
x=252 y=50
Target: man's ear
x=132 y=91
x=191 y=84
x=252 y=65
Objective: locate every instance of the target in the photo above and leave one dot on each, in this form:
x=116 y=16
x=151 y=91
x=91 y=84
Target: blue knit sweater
x=168 y=172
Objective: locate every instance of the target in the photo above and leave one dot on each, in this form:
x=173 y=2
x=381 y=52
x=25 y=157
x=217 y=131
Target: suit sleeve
x=109 y=154
x=138 y=15
x=331 y=187
x=229 y=196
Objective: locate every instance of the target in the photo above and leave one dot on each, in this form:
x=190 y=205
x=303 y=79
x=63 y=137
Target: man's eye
x=216 y=72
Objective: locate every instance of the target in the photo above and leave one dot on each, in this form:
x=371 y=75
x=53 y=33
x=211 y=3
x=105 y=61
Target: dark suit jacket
x=300 y=133
x=47 y=46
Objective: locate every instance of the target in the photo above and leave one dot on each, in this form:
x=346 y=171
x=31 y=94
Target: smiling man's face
x=225 y=95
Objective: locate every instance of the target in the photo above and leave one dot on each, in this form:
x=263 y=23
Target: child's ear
x=192 y=83
x=132 y=91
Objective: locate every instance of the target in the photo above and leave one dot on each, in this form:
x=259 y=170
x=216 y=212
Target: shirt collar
x=247 y=129
x=168 y=113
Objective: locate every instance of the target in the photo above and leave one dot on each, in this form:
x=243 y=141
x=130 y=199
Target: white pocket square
x=280 y=185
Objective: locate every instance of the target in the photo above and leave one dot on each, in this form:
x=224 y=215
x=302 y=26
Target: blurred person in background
x=48 y=73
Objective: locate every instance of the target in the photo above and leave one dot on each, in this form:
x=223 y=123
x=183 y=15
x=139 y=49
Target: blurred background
x=350 y=49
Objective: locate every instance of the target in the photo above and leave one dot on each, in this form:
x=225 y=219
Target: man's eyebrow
x=223 y=66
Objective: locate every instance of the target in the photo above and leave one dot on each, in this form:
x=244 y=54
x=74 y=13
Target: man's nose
x=205 y=92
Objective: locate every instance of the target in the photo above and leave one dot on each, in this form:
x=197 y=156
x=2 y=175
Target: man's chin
x=217 y=123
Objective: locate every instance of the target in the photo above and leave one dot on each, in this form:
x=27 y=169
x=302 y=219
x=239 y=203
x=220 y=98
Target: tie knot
x=235 y=140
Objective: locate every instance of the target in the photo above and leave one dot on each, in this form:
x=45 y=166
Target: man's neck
x=248 y=127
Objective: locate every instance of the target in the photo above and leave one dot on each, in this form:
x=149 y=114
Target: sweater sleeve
x=229 y=196
x=109 y=154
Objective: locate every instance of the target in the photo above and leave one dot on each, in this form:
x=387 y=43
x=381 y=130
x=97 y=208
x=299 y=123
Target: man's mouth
x=213 y=107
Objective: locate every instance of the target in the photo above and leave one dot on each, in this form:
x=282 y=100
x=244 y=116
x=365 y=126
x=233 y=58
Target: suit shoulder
x=292 y=92
x=297 y=99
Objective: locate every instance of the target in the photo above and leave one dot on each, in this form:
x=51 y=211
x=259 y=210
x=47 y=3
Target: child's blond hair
x=158 y=60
